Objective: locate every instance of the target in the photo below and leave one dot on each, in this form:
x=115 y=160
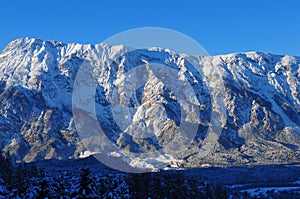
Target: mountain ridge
x=88 y=44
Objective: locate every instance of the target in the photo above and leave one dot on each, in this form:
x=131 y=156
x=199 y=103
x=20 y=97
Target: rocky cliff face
x=253 y=98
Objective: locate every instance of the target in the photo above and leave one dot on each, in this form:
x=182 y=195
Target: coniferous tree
x=3 y=189
x=220 y=192
x=7 y=169
x=20 y=179
x=84 y=187
x=208 y=192
x=62 y=185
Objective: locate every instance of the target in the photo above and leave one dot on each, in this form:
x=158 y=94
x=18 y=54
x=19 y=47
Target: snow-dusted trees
x=83 y=186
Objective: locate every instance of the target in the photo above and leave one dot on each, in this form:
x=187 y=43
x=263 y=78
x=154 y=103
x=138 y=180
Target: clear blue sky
x=221 y=27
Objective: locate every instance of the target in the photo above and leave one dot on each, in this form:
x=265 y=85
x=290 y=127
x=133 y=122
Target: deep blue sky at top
x=221 y=27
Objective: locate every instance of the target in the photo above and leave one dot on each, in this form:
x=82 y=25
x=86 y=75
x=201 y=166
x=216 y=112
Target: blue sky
x=221 y=27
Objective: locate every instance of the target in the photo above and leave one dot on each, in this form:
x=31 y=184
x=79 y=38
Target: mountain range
x=249 y=102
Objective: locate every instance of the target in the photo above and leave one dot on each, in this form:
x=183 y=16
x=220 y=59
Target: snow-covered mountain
x=258 y=113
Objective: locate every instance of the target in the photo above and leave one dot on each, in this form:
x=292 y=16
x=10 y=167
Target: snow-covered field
x=256 y=192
